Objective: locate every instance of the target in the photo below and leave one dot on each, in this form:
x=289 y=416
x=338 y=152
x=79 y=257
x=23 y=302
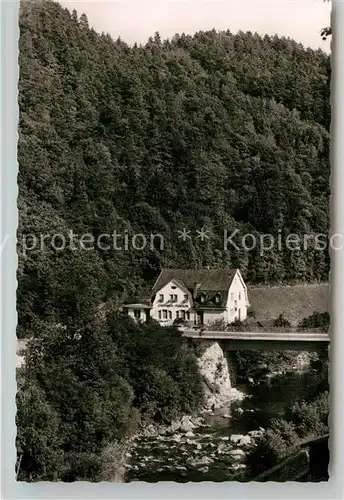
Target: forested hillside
x=214 y=130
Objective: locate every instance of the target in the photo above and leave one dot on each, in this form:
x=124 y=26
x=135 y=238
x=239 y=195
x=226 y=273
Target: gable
x=237 y=283
x=173 y=287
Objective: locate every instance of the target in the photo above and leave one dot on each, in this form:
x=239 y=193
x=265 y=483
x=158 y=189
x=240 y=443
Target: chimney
x=195 y=290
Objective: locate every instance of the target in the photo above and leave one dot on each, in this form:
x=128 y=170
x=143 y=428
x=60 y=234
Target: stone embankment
x=217 y=386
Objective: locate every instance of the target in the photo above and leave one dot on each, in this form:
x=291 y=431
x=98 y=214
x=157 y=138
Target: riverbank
x=217 y=448
x=180 y=454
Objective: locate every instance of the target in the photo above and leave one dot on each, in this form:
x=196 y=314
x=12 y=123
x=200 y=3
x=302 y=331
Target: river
x=207 y=456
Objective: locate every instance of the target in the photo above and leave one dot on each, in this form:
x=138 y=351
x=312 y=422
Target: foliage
x=281 y=322
x=316 y=320
x=85 y=388
x=326 y=32
x=38 y=438
x=279 y=442
x=255 y=363
x=251 y=313
x=305 y=420
x=311 y=419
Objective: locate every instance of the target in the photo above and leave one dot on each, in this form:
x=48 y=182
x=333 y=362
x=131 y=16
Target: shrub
x=304 y=420
x=279 y=441
x=87 y=387
x=316 y=320
x=311 y=418
x=281 y=322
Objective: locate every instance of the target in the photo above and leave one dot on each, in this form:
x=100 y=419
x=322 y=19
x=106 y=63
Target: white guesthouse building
x=198 y=297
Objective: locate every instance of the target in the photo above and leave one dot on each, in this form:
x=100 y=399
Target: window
x=239 y=295
x=182 y=314
x=203 y=298
x=187 y=314
x=177 y=314
x=186 y=297
x=164 y=314
x=137 y=313
x=218 y=297
x=173 y=287
x=174 y=297
x=161 y=298
x=170 y=314
x=159 y=314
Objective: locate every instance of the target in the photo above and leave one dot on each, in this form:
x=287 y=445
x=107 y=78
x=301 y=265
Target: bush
x=87 y=387
x=316 y=320
x=311 y=418
x=281 y=322
x=279 y=441
x=251 y=313
x=305 y=420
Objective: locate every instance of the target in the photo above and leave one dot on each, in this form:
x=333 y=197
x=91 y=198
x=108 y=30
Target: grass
x=295 y=302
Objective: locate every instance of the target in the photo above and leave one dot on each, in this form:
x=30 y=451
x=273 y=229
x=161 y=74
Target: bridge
x=281 y=340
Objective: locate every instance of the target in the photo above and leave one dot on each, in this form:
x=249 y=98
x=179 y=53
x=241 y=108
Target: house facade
x=200 y=297
x=139 y=312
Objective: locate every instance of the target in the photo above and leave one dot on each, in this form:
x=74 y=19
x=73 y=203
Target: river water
x=208 y=455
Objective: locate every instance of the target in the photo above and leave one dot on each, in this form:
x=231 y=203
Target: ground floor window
x=137 y=313
x=165 y=314
x=184 y=315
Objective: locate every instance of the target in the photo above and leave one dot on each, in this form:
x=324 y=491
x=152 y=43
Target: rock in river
x=175 y=426
x=235 y=438
x=255 y=434
x=241 y=440
x=189 y=434
x=237 y=453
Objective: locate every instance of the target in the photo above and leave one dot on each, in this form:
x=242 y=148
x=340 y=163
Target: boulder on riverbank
x=256 y=434
x=235 y=467
x=189 y=434
x=186 y=424
x=241 y=440
x=237 y=453
x=235 y=438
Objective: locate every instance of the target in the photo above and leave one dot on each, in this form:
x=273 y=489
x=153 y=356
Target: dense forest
x=85 y=391
x=214 y=131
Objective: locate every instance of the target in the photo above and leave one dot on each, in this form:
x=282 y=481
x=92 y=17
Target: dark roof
x=209 y=279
